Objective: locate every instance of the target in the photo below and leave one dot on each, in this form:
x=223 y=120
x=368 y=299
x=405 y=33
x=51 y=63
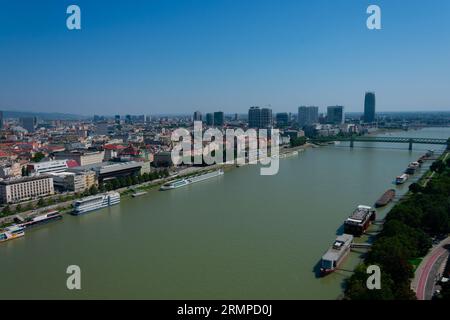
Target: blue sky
x=177 y=56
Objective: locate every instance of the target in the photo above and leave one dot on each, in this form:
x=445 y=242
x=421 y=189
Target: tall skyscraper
x=197 y=116
x=209 y=119
x=308 y=115
x=1 y=120
x=254 y=117
x=369 y=107
x=218 y=119
x=28 y=123
x=117 y=118
x=260 y=118
x=282 y=119
x=266 y=118
x=335 y=114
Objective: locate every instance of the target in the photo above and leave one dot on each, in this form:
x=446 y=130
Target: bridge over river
x=409 y=141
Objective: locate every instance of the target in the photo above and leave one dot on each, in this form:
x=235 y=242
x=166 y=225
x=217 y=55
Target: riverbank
x=65 y=206
x=406 y=237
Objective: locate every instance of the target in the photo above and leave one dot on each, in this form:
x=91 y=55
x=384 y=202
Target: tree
x=6 y=211
x=93 y=190
x=297 y=141
x=415 y=187
x=18 y=208
x=29 y=206
x=438 y=166
x=41 y=202
x=38 y=156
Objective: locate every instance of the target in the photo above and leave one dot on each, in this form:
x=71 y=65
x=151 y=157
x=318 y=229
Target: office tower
x=117 y=119
x=1 y=120
x=335 y=114
x=218 y=118
x=28 y=123
x=236 y=117
x=254 y=117
x=369 y=107
x=307 y=115
x=148 y=118
x=209 y=119
x=197 y=116
x=128 y=119
x=266 y=118
x=282 y=119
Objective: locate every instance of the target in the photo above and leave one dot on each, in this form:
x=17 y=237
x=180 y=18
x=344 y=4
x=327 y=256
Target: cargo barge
x=385 y=198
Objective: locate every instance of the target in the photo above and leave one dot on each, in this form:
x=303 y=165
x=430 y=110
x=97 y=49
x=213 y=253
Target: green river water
x=238 y=236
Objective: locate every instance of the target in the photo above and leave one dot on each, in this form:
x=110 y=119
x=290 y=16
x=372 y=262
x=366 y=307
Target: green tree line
x=406 y=235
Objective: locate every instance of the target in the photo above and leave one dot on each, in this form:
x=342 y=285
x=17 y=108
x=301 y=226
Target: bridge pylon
x=410 y=144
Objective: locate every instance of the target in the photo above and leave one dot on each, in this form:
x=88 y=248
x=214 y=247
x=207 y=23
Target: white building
x=20 y=189
x=47 y=166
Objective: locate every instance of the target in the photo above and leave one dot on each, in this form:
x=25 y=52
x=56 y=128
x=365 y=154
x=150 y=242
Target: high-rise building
x=28 y=123
x=260 y=118
x=335 y=114
x=197 y=116
x=307 y=115
x=282 y=119
x=209 y=119
x=218 y=119
x=117 y=118
x=266 y=118
x=1 y=120
x=128 y=119
x=254 y=117
x=369 y=107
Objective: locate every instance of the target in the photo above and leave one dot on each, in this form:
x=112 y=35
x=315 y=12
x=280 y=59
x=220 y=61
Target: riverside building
x=16 y=190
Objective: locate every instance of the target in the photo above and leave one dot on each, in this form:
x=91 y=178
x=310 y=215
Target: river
x=238 y=236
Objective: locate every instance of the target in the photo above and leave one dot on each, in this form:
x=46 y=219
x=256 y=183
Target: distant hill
x=42 y=115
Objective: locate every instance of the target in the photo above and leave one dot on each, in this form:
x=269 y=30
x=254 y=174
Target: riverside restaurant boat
x=39 y=219
x=11 y=232
x=333 y=258
x=359 y=221
x=401 y=179
x=385 y=198
x=186 y=181
x=95 y=202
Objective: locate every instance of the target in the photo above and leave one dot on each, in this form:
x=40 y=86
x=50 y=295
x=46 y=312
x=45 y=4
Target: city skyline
x=177 y=56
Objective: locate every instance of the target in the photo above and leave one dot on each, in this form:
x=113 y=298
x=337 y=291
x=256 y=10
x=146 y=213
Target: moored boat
x=95 y=202
x=39 y=219
x=385 y=198
x=359 y=221
x=11 y=232
x=401 y=179
x=137 y=194
x=193 y=179
x=333 y=258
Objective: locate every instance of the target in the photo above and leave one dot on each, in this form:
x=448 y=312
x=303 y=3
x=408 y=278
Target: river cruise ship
x=11 y=232
x=186 y=181
x=39 y=219
x=95 y=202
x=359 y=221
x=333 y=258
